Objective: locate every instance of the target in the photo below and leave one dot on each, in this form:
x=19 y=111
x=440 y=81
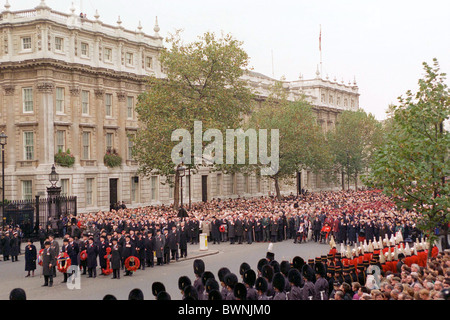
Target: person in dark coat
x=239 y=230
x=116 y=258
x=166 y=249
x=14 y=244
x=128 y=250
x=92 y=253
x=65 y=248
x=102 y=245
x=48 y=261
x=73 y=251
x=321 y=284
x=42 y=235
x=174 y=241
x=140 y=250
x=6 y=246
x=30 y=258
x=149 y=243
x=159 y=247
x=316 y=227
x=215 y=230
x=273 y=229
x=231 y=230
x=183 y=240
x=352 y=233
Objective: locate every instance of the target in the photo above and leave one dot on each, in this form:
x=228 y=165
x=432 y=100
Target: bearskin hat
x=279 y=281
x=244 y=267
x=240 y=291
x=163 y=296
x=319 y=268
x=211 y=284
x=157 y=287
x=267 y=272
x=261 y=284
x=261 y=264
x=222 y=273
x=249 y=277
x=183 y=282
x=295 y=277
x=214 y=295
x=207 y=275
x=231 y=280
x=275 y=265
x=308 y=272
x=199 y=267
x=190 y=293
x=285 y=266
x=298 y=263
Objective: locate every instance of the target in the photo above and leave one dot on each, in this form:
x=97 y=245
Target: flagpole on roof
x=320 y=49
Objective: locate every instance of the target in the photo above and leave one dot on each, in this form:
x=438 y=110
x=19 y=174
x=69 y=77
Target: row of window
x=338 y=100
x=28 y=102
x=85 y=51
x=60 y=140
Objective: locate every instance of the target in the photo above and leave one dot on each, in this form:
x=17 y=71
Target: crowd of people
x=126 y=239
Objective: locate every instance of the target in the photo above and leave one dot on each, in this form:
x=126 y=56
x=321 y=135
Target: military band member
x=321 y=285
x=279 y=286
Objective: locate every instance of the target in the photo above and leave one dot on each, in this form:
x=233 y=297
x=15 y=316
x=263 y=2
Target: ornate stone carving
x=121 y=95
x=99 y=93
x=9 y=89
x=45 y=86
x=74 y=91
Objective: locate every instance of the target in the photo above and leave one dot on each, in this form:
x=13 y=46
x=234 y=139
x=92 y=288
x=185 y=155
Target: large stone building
x=68 y=82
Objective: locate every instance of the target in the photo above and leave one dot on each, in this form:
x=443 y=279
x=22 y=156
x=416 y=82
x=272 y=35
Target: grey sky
x=382 y=43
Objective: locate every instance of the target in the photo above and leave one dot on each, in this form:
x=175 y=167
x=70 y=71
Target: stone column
x=46 y=127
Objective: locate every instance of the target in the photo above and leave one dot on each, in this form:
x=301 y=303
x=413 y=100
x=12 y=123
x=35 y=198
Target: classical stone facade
x=68 y=82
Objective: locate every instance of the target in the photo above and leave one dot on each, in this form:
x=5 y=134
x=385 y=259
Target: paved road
x=12 y=275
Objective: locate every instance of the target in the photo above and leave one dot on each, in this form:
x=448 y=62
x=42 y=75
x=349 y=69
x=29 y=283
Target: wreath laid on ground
x=132 y=263
x=63 y=262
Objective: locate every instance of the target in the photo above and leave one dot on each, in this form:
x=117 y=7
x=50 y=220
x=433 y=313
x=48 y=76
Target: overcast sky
x=381 y=43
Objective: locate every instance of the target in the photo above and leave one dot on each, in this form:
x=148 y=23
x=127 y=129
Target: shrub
x=112 y=159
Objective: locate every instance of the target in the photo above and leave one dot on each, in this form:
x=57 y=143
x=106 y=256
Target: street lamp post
x=3 y=138
x=181 y=172
x=53 y=192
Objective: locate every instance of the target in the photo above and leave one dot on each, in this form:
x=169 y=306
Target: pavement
x=12 y=274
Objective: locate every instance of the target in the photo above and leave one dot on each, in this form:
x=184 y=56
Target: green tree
x=202 y=82
x=413 y=163
x=301 y=139
x=352 y=144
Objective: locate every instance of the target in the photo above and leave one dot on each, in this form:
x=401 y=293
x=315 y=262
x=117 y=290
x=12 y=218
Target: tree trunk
x=356 y=181
x=277 y=188
x=176 y=192
x=343 y=180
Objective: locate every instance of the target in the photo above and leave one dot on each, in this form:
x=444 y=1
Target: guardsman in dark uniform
x=116 y=258
x=267 y=273
x=221 y=275
x=321 y=286
x=231 y=280
x=48 y=261
x=294 y=278
x=199 y=268
x=308 y=289
x=92 y=253
x=261 y=287
x=249 y=278
x=279 y=284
